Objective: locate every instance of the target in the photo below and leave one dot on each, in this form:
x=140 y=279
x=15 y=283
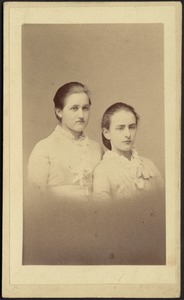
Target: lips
x=127 y=142
x=80 y=121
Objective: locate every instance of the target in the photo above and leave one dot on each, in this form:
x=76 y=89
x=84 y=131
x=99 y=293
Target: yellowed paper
x=28 y=28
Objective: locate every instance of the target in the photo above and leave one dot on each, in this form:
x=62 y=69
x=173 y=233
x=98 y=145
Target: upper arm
x=38 y=166
x=101 y=185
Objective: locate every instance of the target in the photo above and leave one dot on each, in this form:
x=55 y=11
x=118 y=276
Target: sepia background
x=118 y=62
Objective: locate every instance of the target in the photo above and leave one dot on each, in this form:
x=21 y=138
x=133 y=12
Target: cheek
x=116 y=137
x=67 y=117
x=87 y=114
x=134 y=134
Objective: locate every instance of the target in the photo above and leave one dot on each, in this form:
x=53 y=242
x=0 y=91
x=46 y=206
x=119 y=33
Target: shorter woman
x=122 y=173
x=132 y=222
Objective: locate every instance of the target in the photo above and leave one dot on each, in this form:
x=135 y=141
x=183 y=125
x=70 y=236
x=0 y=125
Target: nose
x=80 y=113
x=127 y=132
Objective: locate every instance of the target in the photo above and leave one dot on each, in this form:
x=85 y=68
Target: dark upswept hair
x=106 y=119
x=66 y=90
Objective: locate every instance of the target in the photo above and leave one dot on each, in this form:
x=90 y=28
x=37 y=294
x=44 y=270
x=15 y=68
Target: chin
x=80 y=127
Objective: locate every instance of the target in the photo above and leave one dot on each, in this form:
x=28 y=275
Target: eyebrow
x=73 y=105
x=122 y=125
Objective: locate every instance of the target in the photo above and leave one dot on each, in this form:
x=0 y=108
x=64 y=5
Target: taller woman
x=57 y=222
x=62 y=164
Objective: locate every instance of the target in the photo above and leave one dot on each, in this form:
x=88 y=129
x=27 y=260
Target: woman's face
x=76 y=111
x=122 y=131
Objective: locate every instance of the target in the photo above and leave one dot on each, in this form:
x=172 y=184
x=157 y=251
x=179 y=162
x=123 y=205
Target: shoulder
x=148 y=162
x=43 y=145
x=151 y=166
x=95 y=146
x=103 y=166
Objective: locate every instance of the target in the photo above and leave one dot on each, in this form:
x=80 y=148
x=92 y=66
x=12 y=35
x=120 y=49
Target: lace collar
x=115 y=156
x=83 y=137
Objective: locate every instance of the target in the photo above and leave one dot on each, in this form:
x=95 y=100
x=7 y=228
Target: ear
x=106 y=133
x=59 y=112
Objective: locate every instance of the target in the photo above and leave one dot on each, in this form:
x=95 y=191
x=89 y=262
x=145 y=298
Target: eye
x=86 y=108
x=133 y=126
x=74 y=108
x=120 y=128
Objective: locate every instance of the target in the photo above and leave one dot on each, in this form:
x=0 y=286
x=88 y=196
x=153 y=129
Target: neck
x=75 y=134
x=126 y=154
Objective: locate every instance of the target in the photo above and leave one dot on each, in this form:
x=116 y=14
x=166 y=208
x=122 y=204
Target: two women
x=63 y=164
x=68 y=165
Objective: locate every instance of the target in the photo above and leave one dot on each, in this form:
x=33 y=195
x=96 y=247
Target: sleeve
x=101 y=185
x=97 y=150
x=159 y=182
x=38 y=167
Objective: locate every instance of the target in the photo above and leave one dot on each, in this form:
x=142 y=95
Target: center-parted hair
x=66 y=90
x=106 y=119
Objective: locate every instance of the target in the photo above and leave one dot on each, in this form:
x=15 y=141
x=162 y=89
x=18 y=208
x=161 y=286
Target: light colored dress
x=62 y=165
x=116 y=177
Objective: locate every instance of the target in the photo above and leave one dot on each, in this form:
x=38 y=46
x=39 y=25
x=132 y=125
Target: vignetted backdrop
x=118 y=62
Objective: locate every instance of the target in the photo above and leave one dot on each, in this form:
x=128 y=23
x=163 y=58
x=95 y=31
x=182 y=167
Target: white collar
x=69 y=135
x=113 y=155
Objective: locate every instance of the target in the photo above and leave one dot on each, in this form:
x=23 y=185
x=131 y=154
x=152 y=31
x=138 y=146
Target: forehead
x=123 y=117
x=76 y=99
